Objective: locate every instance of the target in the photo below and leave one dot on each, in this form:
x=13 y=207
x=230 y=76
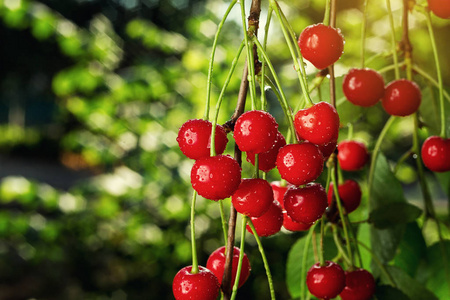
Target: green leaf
x=295 y=258
x=430 y=110
x=394 y=214
x=411 y=250
x=387 y=292
x=409 y=286
x=444 y=181
x=386 y=190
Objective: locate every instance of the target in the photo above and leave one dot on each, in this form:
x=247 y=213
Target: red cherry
x=216 y=177
x=363 y=87
x=325 y=282
x=401 y=98
x=352 y=155
x=307 y=204
x=359 y=285
x=267 y=160
x=436 y=154
x=270 y=222
x=349 y=193
x=216 y=263
x=327 y=149
x=300 y=163
x=318 y=124
x=255 y=131
x=441 y=8
x=278 y=191
x=291 y=225
x=194 y=138
x=321 y=45
x=200 y=286
x=253 y=197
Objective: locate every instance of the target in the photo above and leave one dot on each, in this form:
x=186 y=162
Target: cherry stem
x=284 y=104
x=393 y=40
x=221 y=96
x=288 y=35
x=326 y=17
x=430 y=79
x=375 y=153
x=195 y=269
x=338 y=242
x=332 y=5
x=241 y=257
x=223 y=221
x=263 y=62
x=363 y=33
x=438 y=71
x=304 y=258
x=263 y=256
x=350 y=131
x=322 y=233
x=405 y=42
x=211 y=60
x=402 y=159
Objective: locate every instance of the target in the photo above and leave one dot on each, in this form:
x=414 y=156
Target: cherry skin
x=441 y=8
x=253 y=197
x=352 y=155
x=270 y=222
x=291 y=225
x=363 y=87
x=321 y=45
x=255 y=131
x=327 y=149
x=216 y=177
x=279 y=191
x=306 y=204
x=349 y=193
x=267 y=160
x=200 y=286
x=359 y=285
x=436 y=154
x=325 y=282
x=194 y=138
x=318 y=124
x=401 y=98
x=300 y=163
x=216 y=263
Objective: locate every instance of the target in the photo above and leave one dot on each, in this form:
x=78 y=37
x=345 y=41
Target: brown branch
x=253 y=24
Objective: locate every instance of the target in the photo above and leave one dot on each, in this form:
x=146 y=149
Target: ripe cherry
x=270 y=222
x=216 y=263
x=441 y=8
x=307 y=204
x=436 y=154
x=194 y=138
x=200 y=286
x=216 y=177
x=253 y=197
x=279 y=190
x=349 y=193
x=325 y=282
x=363 y=87
x=401 y=98
x=359 y=285
x=267 y=160
x=352 y=155
x=318 y=124
x=291 y=225
x=327 y=149
x=321 y=45
x=255 y=131
x=300 y=163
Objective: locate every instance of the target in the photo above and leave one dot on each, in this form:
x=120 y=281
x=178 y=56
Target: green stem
x=350 y=131
x=304 y=258
x=298 y=69
x=341 y=215
x=211 y=60
x=375 y=152
x=380 y=265
x=326 y=17
x=363 y=33
x=263 y=62
x=221 y=95
x=438 y=71
x=430 y=79
x=340 y=247
x=248 y=38
x=263 y=256
x=241 y=257
x=322 y=234
x=353 y=236
x=224 y=222
x=284 y=102
x=402 y=159
x=193 y=244
x=393 y=40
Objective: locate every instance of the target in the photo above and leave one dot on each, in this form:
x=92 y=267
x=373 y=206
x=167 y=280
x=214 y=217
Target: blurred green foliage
x=122 y=76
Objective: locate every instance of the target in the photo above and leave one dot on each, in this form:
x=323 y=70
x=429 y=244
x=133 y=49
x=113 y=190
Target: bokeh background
x=94 y=192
